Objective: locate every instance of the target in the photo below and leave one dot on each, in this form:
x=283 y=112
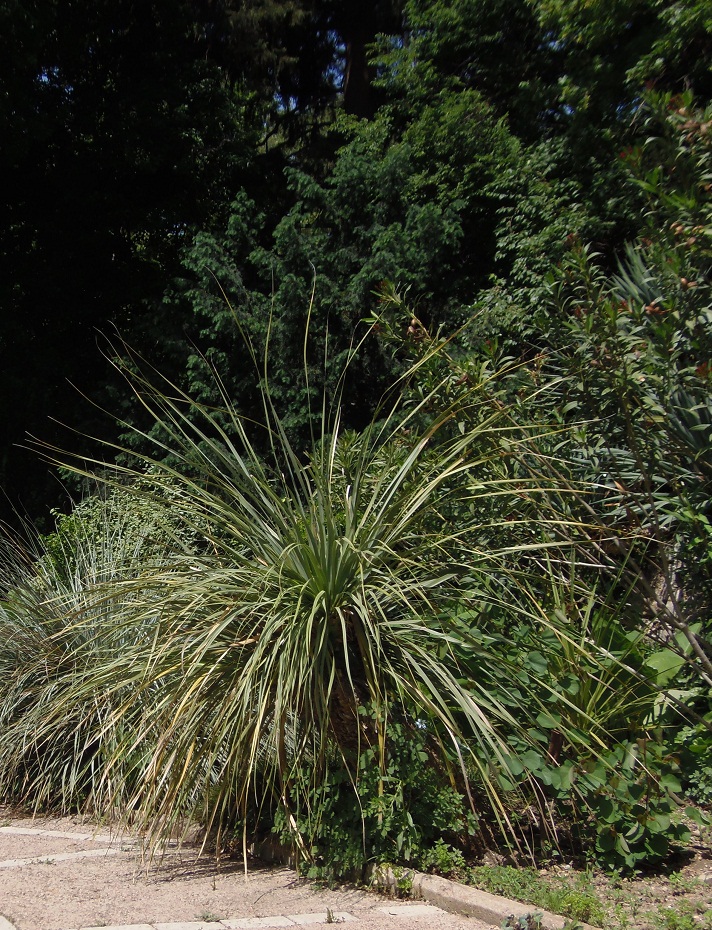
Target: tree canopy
x=291 y=147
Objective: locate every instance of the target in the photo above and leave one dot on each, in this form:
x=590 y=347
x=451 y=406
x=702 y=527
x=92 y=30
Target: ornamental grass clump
x=67 y=605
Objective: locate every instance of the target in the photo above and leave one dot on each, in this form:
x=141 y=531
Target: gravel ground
x=81 y=880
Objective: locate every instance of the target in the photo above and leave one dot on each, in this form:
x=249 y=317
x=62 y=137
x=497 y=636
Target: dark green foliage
x=694 y=746
x=118 y=134
x=596 y=743
x=634 y=350
x=628 y=795
x=410 y=205
x=397 y=812
x=499 y=49
x=613 y=49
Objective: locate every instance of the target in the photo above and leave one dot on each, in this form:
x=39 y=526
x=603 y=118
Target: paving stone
x=248 y=923
x=411 y=910
x=192 y=925
x=321 y=918
x=59 y=834
x=122 y=927
x=5 y=924
x=58 y=857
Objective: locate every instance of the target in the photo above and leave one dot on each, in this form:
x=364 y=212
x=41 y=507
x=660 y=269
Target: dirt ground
x=88 y=878
x=677 y=899
x=677 y=896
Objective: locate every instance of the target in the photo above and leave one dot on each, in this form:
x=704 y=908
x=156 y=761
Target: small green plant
x=526 y=885
x=684 y=917
x=506 y=880
x=404 y=881
x=209 y=916
x=576 y=904
x=525 y=922
x=442 y=859
x=683 y=884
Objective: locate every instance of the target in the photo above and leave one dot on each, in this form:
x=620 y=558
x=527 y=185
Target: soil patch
x=678 y=899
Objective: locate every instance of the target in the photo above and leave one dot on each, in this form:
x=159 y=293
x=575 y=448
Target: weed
x=683 y=917
x=682 y=884
x=403 y=881
x=208 y=916
x=578 y=903
x=442 y=859
x=525 y=922
x=519 y=884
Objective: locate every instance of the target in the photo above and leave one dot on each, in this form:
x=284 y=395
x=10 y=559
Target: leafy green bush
x=628 y=793
x=633 y=349
x=395 y=811
x=694 y=744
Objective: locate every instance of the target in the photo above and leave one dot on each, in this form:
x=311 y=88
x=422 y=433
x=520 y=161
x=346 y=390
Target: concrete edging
x=462 y=899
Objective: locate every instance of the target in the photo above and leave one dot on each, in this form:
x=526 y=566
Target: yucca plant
x=325 y=583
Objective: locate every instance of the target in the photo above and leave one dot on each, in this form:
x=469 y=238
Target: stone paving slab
x=20 y=843
x=411 y=910
x=25 y=843
x=60 y=834
x=418 y=911
x=122 y=927
x=331 y=917
x=248 y=923
x=191 y=925
x=51 y=858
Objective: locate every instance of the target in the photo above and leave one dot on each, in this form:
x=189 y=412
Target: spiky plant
x=324 y=583
x=66 y=605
